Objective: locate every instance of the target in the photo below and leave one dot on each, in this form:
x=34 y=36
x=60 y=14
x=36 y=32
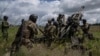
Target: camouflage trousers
x=18 y=43
x=5 y=35
x=27 y=43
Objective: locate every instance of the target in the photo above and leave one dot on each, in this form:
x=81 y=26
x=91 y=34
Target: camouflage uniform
x=55 y=24
x=85 y=28
x=50 y=32
x=5 y=26
x=60 y=21
x=25 y=34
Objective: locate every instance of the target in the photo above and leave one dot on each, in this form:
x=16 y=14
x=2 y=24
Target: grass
x=3 y=43
x=41 y=50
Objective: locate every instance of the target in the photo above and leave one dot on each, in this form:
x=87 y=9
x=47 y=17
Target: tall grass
x=41 y=50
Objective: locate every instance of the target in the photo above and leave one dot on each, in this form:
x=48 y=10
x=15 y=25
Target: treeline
x=96 y=24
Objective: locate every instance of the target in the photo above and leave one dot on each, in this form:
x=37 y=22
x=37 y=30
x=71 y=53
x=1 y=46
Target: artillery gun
x=76 y=16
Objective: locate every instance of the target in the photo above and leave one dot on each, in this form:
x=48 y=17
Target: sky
x=47 y=9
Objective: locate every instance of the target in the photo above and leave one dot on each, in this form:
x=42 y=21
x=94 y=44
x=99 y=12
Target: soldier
x=49 y=32
x=69 y=22
x=17 y=41
x=5 y=26
x=53 y=21
x=85 y=28
x=22 y=21
x=25 y=34
x=60 y=21
x=67 y=27
x=55 y=24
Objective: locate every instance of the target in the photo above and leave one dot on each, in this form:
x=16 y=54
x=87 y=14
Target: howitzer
x=78 y=16
x=79 y=13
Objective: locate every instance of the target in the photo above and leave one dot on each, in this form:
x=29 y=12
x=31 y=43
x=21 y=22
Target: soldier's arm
x=36 y=30
x=33 y=28
x=7 y=25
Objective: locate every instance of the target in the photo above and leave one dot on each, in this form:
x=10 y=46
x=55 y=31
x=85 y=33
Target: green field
x=41 y=50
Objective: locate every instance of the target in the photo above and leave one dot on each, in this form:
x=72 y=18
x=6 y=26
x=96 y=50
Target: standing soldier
x=55 y=24
x=85 y=28
x=66 y=31
x=25 y=34
x=49 y=30
x=60 y=21
x=5 y=26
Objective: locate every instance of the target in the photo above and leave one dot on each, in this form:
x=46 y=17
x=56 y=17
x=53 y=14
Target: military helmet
x=33 y=17
x=22 y=20
x=60 y=15
x=5 y=17
x=84 y=20
x=52 y=19
x=49 y=21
